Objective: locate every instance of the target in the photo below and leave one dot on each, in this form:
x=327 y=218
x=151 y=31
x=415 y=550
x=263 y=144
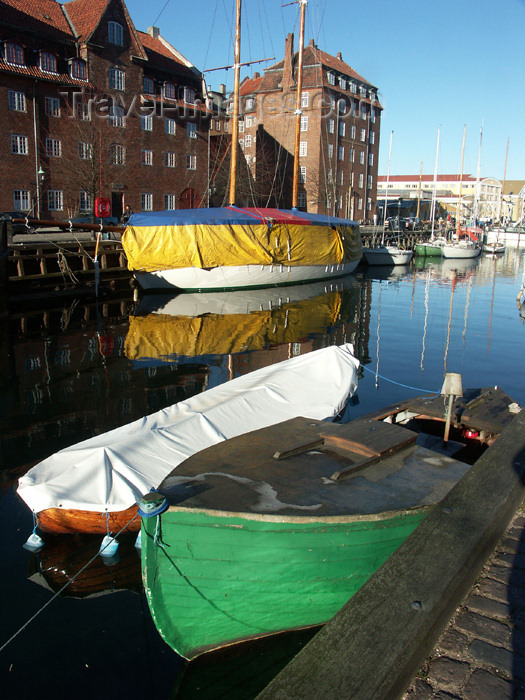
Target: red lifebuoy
x=102 y=207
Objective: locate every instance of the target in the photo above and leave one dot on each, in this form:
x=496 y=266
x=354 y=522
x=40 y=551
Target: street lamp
x=40 y=181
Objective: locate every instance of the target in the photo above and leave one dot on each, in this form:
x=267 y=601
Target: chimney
x=312 y=44
x=287 y=80
x=222 y=89
x=154 y=32
x=339 y=55
x=256 y=75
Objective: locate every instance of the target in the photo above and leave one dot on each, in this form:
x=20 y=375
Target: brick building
x=91 y=107
x=340 y=127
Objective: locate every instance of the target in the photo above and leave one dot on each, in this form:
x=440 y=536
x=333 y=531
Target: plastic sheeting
x=113 y=470
x=208 y=238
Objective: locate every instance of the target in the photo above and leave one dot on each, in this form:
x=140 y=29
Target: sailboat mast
x=298 y=112
x=503 y=184
x=434 y=193
x=458 y=212
x=235 y=118
x=476 y=199
x=419 y=190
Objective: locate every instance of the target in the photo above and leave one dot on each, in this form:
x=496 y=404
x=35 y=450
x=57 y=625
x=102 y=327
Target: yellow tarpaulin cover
x=152 y=248
x=161 y=335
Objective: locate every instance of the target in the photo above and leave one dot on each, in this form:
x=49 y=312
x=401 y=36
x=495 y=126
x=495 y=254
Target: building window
x=362 y=91
x=19 y=144
x=371 y=159
x=250 y=103
x=352 y=155
x=304 y=99
x=361 y=180
x=329 y=176
x=248 y=160
x=352 y=132
x=342 y=83
x=342 y=128
x=363 y=134
x=169 y=159
x=340 y=177
x=302 y=174
x=189 y=95
x=22 y=200
x=14 y=53
x=146 y=122
x=331 y=78
x=363 y=111
x=373 y=115
x=353 y=87
x=170 y=201
x=361 y=157
x=341 y=153
x=115 y=33
x=146 y=156
x=83 y=111
x=369 y=181
x=84 y=201
x=368 y=204
x=148 y=85
x=116 y=79
x=48 y=62
x=301 y=199
x=17 y=101
x=169 y=125
x=330 y=150
x=169 y=91
x=116 y=116
x=77 y=69
x=52 y=106
x=360 y=203
x=217 y=125
x=248 y=140
x=53 y=147
x=304 y=123
x=146 y=201
x=117 y=154
x=249 y=122
x=85 y=150
x=372 y=137
x=55 y=200
x=191 y=161
x=241 y=127
x=303 y=148
x=331 y=126
x=191 y=130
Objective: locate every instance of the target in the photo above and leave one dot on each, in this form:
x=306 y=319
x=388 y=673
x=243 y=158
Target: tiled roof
x=35 y=72
x=85 y=15
x=44 y=17
x=162 y=56
x=250 y=85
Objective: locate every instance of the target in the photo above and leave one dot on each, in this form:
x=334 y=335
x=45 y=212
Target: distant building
x=92 y=106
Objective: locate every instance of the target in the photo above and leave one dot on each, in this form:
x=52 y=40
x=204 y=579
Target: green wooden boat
x=276 y=529
x=432 y=248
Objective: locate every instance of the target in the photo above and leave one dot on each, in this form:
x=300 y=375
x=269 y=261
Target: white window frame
x=368 y=204
x=85 y=150
x=301 y=199
x=78 y=69
x=115 y=33
x=146 y=156
x=117 y=154
x=19 y=144
x=55 y=200
x=330 y=150
x=363 y=135
x=361 y=181
x=84 y=201
x=117 y=79
x=146 y=201
x=146 y=122
x=352 y=131
x=360 y=203
x=302 y=174
x=170 y=126
x=371 y=159
x=248 y=140
x=331 y=78
x=331 y=126
x=372 y=137
x=304 y=122
x=170 y=199
x=53 y=147
x=189 y=95
x=52 y=106
x=191 y=130
x=169 y=90
x=170 y=159
x=304 y=99
x=303 y=148
x=17 y=101
x=191 y=161
x=21 y=200
x=341 y=153
x=117 y=116
x=361 y=157
x=342 y=128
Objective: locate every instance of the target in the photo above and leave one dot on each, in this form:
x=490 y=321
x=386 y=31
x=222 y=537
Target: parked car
x=19 y=227
x=87 y=219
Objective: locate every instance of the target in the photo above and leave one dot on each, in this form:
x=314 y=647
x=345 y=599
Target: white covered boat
x=96 y=484
x=461 y=249
x=387 y=255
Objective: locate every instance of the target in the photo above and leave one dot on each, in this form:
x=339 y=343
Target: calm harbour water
x=72 y=370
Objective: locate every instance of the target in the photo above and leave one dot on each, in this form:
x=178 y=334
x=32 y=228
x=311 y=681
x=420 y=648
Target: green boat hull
x=428 y=250
x=212 y=580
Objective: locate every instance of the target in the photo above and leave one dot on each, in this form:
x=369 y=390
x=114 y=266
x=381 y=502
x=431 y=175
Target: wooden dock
x=374 y=646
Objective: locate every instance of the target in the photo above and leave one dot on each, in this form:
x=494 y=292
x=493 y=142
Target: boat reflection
x=62 y=560
x=447 y=269
x=386 y=272
x=226 y=323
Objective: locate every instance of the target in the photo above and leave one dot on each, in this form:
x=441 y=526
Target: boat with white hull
x=387 y=255
x=462 y=249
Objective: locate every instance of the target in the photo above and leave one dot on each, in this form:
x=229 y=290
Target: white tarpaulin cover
x=113 y=470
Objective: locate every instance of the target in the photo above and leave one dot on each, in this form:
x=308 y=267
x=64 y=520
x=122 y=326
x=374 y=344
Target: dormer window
x=250 y=103
x=14 y=53
x=353 y=87
x=331 y=78
x=48 y=62
x=189 y=95
x=362 y=90
x=115 y=33
x=342 y=83
x=77 y=69
x=148 y=85
x=169 y=91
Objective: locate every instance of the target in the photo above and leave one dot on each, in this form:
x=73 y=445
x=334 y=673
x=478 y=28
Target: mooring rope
x=406 y=386
x=26 y=624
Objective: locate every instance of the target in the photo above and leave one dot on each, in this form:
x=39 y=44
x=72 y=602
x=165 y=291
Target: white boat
x=495 y=248
x=461 y=249
x=387 y=255
x=77 y=488
x=510 y=235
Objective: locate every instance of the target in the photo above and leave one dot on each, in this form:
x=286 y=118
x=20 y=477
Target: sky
x=437 y=65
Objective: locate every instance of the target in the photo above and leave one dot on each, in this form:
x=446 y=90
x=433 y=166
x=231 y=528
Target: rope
x=26 y=624
x=406 y=386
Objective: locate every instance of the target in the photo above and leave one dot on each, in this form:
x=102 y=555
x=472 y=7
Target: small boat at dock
x=276 y=529
x=385 y=254
x=94 y=486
